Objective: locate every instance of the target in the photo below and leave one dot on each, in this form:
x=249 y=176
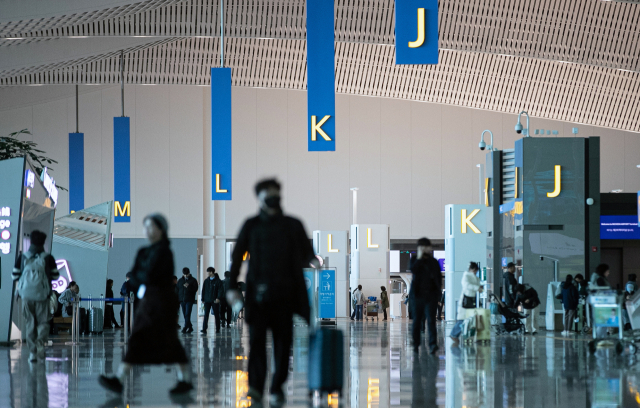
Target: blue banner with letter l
x=76 y=172
x=321 y=83
x=327 y=294
x=121 y=169
x=221 y=133
x=416 y=32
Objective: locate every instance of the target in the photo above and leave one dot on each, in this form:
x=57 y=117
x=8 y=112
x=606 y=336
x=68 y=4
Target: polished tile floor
x=380 y=371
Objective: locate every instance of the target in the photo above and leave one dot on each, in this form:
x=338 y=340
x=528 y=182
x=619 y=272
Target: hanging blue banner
x=321 y=83
x=327 y=294
x=76 y=172
x=221 y=133
x=416 y=32
x=121 y=169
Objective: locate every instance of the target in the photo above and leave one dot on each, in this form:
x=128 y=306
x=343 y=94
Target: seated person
x=72 y=292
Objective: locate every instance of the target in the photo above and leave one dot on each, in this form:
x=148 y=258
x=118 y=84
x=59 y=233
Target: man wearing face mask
x=278 y=249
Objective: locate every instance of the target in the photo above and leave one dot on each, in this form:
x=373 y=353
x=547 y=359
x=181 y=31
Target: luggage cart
x=607 y=312
x=372 y=309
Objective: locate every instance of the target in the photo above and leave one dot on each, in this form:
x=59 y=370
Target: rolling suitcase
x=96 y=320
x=326 y=361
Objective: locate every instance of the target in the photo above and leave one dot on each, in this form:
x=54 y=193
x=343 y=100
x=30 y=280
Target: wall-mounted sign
x=5 y=234
x=50 y=186
x=556 y=181
x=416 y=31
x=327 y=294
x=321 y=83
x=120 y=210
x=61 y=284
x=370 y=244
x=465 y=221
x=29 y=179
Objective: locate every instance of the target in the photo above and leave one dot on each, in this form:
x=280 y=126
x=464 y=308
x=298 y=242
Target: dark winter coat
x=279 y=249
x=570 y=297
x=529 y=294
x=509 y=284
x=154 y=340
x=188 y=294
x=427 y=280
x=210 y=290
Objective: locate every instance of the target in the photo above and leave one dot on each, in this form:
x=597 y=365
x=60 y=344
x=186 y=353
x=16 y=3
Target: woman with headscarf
x=152 y=340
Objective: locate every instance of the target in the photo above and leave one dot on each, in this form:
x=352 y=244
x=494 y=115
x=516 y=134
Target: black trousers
x=425 y=309
x=109 y=316
x=225 y=313
x=281 y=325
x=208 y=306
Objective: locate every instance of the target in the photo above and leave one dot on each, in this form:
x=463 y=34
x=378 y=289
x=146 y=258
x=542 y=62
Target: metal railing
x=75 y=317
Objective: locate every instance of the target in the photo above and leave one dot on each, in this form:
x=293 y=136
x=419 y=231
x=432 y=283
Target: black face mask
x=272 y=202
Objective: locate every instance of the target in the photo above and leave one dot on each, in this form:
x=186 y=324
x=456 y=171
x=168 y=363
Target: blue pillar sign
x=121 y=169
x=416 y=32
x=76 y=172
x=221 y=134
x=327 y=294
x=321 y=82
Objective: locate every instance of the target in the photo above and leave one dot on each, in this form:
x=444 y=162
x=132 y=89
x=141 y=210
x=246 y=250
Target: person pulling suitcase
x=279 y=249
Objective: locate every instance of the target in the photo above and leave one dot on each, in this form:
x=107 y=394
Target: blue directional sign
x=327 y=294
x=416 y=32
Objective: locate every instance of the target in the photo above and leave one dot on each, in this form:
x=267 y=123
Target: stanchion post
x=125 y=303
x=132 y=301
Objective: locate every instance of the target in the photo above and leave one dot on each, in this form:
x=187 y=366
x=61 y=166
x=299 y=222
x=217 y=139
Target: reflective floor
x=380 y=371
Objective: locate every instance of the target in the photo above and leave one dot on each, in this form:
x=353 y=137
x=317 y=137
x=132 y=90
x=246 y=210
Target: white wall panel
x=14 y=120
x=50 y=132
x=395 y=166
x=364 y=156
x=408 y=158
x=272 y=139
x=334 y=199
x=245 y=134
x=457 y=180
x=612 y=160
x=153 y=152
x=301 y=192
x=426 y=171
x=186 y=161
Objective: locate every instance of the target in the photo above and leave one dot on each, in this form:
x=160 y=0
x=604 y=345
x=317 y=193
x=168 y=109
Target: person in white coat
x=470 y=288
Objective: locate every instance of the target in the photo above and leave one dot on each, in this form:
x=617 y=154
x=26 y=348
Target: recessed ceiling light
x=638 y=166
x=617 y=191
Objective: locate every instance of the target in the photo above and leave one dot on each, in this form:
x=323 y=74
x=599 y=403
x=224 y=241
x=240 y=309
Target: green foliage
x=11 y=147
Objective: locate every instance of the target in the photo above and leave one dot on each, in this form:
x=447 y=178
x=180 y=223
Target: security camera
x=482 y=145
x=542 y=258
x=519 y=128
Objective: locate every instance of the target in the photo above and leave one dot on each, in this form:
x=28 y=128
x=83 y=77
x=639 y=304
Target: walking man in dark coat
x=187 y=291
x=209 y=297
x=426 y=291
x=510 y=283
x=278 y=248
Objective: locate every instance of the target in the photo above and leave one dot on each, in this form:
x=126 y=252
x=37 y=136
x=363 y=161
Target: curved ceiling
x=574 y=61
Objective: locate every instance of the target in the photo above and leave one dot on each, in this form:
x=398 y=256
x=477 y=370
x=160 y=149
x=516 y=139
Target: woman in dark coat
x=153 y=340
x=109 y=315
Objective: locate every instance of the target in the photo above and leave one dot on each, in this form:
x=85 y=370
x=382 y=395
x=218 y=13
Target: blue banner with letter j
x=416 y=32
x=321 y=84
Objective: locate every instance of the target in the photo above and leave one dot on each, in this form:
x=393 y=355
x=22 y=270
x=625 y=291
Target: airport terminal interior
x=459 y=179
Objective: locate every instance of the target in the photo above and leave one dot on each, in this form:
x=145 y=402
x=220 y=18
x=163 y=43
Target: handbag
x=468 y=302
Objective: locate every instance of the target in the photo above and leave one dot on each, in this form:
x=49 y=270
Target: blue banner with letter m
x=321 y=83
x=416 y=32
x=121 y=169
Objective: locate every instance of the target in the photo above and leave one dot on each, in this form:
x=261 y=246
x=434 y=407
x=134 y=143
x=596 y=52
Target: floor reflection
x=380 y=371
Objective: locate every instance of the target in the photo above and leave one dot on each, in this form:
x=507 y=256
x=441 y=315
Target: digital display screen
x=619 y=227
